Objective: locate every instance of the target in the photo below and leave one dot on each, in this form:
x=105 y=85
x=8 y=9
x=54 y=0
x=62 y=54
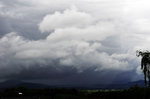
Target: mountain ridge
x=18 y=83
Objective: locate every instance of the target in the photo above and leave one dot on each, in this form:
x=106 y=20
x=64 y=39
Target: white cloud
x=69 y=18
x=77 y=53
x=1 y=5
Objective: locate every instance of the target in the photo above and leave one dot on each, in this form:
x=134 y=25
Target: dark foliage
x=61 y=93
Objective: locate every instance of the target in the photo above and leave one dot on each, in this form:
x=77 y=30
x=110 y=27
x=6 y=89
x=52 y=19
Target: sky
x=73 y=41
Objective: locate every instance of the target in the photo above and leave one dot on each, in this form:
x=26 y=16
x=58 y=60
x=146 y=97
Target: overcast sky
x=73 y=41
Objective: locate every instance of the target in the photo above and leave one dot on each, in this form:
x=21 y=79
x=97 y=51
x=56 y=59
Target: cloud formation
x=69 y=18
x=92 y=37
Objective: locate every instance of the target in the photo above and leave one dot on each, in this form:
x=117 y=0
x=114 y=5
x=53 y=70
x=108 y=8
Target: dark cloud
x=70 y=75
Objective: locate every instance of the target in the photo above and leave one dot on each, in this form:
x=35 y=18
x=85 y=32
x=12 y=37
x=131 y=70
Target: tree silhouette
x=145 y=64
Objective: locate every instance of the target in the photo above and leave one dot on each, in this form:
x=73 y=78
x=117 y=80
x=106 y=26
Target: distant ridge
x=18 y=83
x=139 y=83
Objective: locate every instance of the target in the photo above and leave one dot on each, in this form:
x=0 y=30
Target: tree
x=145 y=64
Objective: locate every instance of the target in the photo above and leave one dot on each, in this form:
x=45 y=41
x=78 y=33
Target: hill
x=18 y=83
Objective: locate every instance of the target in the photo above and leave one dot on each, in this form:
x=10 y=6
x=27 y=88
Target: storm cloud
x=88 y=41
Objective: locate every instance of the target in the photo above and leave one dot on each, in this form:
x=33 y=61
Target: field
x=61 y=93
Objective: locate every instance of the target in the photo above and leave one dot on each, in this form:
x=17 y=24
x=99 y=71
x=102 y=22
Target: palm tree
x=145 y=64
